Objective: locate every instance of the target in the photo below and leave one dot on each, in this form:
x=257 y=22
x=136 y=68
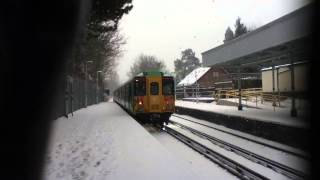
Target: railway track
x=232 y=166
x=235 y=168
x=302 y=155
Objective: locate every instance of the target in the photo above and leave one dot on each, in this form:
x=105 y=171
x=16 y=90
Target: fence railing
x=186 y=92
x=248 y=95
x=251 y=94
x=78 y=93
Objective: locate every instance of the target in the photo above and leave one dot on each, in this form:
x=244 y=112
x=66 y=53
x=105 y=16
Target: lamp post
x=86 y=83
x=196 y=86
x=174 y=85
x=293 y=112
x=239 y=87
x=97 y=90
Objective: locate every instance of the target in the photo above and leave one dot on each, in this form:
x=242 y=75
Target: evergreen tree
x=186 y=64
x=105 y=15
x=240 y=28
x=228 y=35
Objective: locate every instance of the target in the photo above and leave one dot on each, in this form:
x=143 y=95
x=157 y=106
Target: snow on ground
x=302 y=105
x=270 y=174
x=245 y=135
x=284 y=158
x=103 y=142
x=197 y=162
x=264 y=113
x=200 y=99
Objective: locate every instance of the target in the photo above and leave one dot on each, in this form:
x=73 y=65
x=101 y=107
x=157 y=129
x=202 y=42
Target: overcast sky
x=164 y=28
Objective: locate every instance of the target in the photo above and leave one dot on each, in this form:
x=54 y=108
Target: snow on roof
x=193 y=76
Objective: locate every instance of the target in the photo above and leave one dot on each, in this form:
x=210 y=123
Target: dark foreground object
x=36 y=38
x=292 y=136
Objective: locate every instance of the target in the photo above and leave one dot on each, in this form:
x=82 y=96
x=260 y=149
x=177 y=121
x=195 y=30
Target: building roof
x=194 y=76
x=288 y=28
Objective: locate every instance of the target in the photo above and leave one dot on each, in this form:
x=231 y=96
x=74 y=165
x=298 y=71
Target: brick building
x=206 y=80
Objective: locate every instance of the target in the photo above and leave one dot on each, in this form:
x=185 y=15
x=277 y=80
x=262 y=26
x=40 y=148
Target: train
x=149 y=96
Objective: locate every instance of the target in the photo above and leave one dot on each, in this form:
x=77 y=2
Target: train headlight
x=140 y=107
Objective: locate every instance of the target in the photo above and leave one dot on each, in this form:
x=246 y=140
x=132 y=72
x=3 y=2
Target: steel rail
x=249 y=139
x=230 y=165
x=280 y=168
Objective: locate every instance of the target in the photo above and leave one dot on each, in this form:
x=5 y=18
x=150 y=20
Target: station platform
x=264 y=121
x=103 y=142
x=199 y=99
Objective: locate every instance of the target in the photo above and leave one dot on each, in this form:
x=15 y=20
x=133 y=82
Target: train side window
x=140 y=87
x=167 y=86
x=154 y=88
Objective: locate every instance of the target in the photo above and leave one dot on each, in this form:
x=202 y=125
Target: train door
x=155 y=94
x=168 y=94
x=139 y=93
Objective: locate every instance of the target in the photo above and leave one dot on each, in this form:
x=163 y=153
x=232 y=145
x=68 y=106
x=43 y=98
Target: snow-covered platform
x=103 y=142
x=199 y=99
x=262 y=121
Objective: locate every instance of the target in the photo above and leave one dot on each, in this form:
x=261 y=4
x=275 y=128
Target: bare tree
x=113 y=50
x=99 y=41
x=103 y=51
x=111 y=81
x=146 y=63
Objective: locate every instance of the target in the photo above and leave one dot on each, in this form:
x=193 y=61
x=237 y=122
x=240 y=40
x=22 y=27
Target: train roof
x=148 y=73
x=153 y=73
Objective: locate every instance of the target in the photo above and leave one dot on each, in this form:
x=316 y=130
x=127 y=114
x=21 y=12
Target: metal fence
x=194 y=91
x=77 y=93
x=209 y=89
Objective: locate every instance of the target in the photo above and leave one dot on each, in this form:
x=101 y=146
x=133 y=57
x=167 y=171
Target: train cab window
x=167 y=86
x=140 y=87
x=154 y=88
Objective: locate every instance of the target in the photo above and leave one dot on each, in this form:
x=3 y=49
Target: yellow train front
x=149 y=96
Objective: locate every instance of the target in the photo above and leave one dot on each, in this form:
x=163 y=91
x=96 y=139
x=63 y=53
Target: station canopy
x=285 y=40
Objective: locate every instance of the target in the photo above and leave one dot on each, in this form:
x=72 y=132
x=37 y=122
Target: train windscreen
x=140 y=86
x=154 y=88
x=167 y=86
